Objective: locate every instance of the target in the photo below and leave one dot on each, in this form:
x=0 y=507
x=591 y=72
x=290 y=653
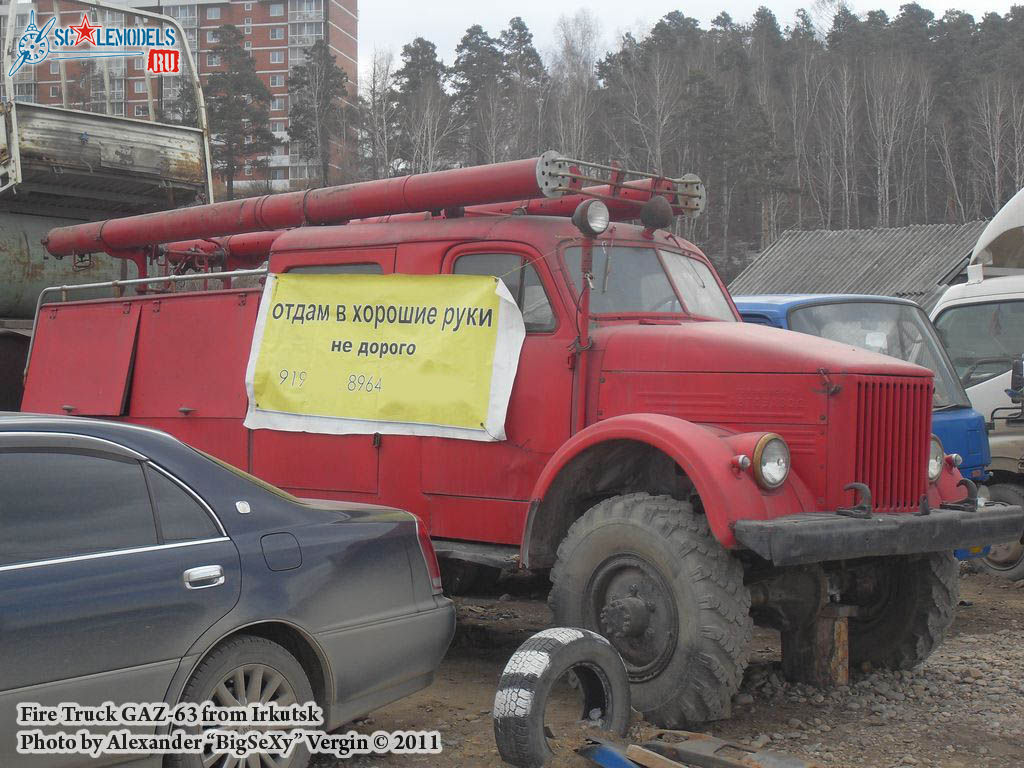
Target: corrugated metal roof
x=913 y=262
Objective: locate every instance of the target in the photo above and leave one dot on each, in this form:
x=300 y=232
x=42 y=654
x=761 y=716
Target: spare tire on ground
x=530 y=675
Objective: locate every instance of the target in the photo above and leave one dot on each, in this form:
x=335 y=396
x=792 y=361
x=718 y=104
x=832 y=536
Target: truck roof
x=485 y=228
x=990 y=286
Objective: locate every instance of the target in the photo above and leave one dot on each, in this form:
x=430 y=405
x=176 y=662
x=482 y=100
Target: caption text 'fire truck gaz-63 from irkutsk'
x=680 y=474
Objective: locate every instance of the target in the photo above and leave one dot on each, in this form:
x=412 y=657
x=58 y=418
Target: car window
x=64 y=504
x=982 y=339
x=337 y=269
x=181 y=516
x=520 y=278
x=898 y=330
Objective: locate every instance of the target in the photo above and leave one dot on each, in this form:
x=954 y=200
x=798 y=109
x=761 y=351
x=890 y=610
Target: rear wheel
x=1005 y=559
x=247 y=670
x=646 y=572
x=906 y=604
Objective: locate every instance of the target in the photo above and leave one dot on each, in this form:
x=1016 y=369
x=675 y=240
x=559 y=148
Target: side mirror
x=1016 y=390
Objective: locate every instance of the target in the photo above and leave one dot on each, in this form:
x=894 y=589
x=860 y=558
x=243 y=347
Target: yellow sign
x=396 y=354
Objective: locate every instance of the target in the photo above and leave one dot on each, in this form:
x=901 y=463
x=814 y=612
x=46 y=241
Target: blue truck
x=895 y=327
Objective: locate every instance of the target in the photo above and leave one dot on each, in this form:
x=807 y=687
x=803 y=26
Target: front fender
x=704 y=455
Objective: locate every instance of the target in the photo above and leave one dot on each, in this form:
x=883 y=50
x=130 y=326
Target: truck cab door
x=983 y=336
x=309 y=464
x=478 y=490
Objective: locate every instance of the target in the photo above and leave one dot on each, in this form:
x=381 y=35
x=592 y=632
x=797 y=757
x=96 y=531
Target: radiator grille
x=893 y=425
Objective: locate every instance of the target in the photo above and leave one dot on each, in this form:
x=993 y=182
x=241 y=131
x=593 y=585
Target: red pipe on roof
x=516 y=180
x=238 y=251
x=624 y=203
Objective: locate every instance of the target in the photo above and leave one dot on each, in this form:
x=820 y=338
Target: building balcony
x=296 y=16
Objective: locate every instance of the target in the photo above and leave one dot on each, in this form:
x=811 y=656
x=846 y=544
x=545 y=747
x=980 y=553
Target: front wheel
x=646 y=572
x=1005 y=559
x=905 y=604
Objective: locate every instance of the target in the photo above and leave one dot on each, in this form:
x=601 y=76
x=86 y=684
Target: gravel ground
x=963 y=708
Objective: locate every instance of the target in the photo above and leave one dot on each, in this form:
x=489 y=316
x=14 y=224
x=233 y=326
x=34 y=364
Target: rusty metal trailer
x=61 y=166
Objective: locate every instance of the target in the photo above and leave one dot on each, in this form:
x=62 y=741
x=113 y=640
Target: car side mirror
x=1016 y=390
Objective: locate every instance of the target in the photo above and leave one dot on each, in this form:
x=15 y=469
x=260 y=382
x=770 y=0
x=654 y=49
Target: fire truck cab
x=679 y=474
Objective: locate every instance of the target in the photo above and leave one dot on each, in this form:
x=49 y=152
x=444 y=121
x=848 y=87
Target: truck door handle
x=203 y=577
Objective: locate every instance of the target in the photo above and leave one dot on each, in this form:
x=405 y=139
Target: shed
x=916 y=262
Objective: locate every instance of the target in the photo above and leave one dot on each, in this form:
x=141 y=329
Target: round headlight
x=936 y=458
x=771 y=461
x=591 y=217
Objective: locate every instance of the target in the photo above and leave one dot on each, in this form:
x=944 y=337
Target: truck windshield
x=646 y=280
x=982 y=339
x=898 y=330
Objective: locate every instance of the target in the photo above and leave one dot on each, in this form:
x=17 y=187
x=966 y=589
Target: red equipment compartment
x=70 y=371
x=192 y=353
x=301 y=462
x=226 y=439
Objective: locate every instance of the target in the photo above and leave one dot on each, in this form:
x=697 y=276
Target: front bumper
x=820 y=536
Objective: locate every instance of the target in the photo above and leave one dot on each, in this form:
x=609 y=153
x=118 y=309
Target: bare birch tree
x=990 y=127
x=574 y=85
x=380 y=109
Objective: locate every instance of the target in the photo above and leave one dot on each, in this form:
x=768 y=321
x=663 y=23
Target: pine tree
x=479 y=101
x=428 y=125
x=316 y=115
x=523 y=80
x=238 y=106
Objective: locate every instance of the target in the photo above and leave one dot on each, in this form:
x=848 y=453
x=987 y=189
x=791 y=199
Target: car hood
x=722 y=347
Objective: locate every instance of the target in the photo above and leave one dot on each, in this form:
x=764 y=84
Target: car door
x=96 y=604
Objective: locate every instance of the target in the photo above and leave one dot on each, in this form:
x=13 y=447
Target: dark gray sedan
x=136 y=569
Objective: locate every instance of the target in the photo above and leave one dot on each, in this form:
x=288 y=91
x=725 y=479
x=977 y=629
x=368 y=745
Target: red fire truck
x=680 y=474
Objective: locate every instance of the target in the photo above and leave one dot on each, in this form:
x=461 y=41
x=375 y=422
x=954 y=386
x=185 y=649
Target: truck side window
x=982 y=339
x=520 y=278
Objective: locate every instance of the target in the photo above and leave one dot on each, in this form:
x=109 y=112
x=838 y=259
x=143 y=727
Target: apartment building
x=276 y=33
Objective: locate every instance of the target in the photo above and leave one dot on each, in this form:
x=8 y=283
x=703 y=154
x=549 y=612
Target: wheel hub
x=631 y=603
x=1005 y=555
x=244 y=685
x=624 y=617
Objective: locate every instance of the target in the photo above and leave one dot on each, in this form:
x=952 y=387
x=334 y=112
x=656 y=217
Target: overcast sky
x=389 y=24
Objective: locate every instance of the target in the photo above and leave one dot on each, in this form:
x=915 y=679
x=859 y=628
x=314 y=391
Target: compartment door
x=82 y=358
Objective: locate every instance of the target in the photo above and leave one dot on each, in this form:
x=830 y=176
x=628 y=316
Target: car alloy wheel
x=244 y=685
